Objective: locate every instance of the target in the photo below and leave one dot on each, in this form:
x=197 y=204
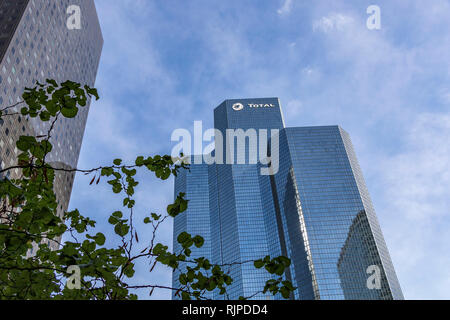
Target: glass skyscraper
x=35 y=44
x=313 y=208
x=196 y=183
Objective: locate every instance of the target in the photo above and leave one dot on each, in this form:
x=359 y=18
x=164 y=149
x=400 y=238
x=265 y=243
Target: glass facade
x=196 y=220
x=240 y=206
x=315 y=209
x=332 y=233
x=36 y=44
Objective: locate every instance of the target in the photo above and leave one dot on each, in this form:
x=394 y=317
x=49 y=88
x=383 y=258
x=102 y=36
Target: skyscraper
x=314 y=208
x=196 y=183
x=36 y=43
x=331 y=230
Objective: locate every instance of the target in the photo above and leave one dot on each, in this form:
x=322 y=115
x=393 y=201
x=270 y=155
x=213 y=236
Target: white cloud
x=416 y=200
x=108 y=127
x=308 y=71
x=384 y=95
x=292 y=108
x=421 y=173
x=334 y=21
x=285 y=8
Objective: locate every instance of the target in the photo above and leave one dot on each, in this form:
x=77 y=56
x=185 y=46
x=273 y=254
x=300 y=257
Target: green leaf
x=183 y=237
x=285 y=261
x=185 y=295
x=155 y=216
x=285 y=292
x=100 y=239
x=92 y=91
x=183 y=279
x=117 y=214
x=52 y=82
x=69 y=112
x=121 y=229
x=107 y=171
x=113 y=220
x=198 y=241
x=139 y=161
x=25 y=143
x=258 y=264
x=129 y=270
x=44 y=116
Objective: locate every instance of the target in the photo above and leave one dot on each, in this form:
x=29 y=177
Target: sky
x=167 y=63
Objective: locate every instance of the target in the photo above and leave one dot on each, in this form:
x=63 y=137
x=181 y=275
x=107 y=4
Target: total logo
x=239 y=106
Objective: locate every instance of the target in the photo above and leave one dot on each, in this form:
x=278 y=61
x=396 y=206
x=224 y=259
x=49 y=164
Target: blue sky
x=167 y=63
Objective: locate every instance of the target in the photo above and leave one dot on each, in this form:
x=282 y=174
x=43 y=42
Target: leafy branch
x=29 y=219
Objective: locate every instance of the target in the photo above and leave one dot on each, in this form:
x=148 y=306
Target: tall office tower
x=233 y=205
x=313 y=207
x=197 y=220
x=330 y=228
x=38 y=40
x=239 y=211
